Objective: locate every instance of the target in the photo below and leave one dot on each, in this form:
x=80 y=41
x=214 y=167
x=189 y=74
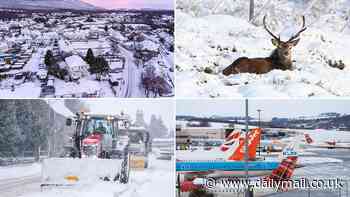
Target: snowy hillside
x=47 y=4
x=213 y=34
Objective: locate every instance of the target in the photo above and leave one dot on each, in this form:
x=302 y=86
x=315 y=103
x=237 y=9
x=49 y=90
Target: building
x=76 y=67
x=185 y=134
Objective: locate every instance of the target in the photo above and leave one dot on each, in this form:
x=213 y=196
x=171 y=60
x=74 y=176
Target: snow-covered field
x=210 y=35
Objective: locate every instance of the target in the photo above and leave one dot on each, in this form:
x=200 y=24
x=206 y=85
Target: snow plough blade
x=69 y=171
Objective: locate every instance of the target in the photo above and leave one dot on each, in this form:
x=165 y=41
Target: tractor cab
x=96 y=135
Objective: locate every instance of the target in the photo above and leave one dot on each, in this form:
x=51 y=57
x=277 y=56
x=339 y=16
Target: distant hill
x=48 y=4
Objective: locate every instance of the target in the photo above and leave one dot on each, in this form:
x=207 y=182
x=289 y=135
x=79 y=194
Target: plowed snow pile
x=210 y=35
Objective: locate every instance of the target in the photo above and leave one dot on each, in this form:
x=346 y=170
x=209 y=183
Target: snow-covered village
x=217 y=36
x=86 y=53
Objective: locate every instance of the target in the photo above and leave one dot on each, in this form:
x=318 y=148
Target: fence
x=26 y=157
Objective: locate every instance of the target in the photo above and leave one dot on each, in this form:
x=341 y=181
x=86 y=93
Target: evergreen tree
x=90 y=58
x=32 y=119
x=8 y=138
x=157 y=127
x=101 y=65
x=140 y=120
x=49 y=59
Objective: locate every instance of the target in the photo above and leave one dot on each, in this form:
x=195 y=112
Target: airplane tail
x=308 y=139
x=283 y=172
x=286 y=168
x=230 y=139
x=253 y=141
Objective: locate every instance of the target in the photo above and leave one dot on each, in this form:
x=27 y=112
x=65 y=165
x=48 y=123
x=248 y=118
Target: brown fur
x=280 y=58
x=246 y=65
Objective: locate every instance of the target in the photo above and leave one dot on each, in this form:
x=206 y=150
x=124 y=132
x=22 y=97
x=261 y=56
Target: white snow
x=12 y=172
x=157 y=181
x=213 y=34
x=59 y=107
x=87 y=170
x=26 y=90
x=75 y=61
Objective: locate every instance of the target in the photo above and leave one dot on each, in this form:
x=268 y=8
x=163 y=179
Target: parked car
x=42 y=74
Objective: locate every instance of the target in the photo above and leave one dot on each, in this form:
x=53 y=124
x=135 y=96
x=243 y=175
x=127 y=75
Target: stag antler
x=296 y=36
x=267 y=29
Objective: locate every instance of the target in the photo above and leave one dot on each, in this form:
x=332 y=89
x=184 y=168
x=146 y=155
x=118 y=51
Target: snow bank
x=156 y=181
x=12 y=172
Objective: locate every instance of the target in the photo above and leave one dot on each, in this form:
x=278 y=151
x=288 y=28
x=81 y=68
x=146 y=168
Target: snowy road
x=134 y=75
x=19 y=179
x=19 y=186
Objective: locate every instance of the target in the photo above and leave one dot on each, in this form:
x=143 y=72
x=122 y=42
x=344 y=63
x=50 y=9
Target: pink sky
x=133 y=4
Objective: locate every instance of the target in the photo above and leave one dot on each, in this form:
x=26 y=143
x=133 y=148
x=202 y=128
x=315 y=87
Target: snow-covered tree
x=9 y=140
x=140 y=119
x=157 y=127
x=33 y=120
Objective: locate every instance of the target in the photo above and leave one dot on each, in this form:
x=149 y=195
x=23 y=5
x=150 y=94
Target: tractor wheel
x=125 y=171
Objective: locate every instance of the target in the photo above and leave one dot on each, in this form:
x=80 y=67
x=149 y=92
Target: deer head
x=284 y=48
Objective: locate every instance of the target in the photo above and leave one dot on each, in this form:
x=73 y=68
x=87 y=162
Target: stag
x=280 y=58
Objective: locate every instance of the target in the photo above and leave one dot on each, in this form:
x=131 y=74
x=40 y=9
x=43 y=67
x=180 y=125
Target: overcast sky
x=159 y=107
x=271 y=108
x=132 y=4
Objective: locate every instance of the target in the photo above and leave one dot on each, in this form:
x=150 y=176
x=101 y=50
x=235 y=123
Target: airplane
x=228 y=159
x=234 y=165
x=330 y=144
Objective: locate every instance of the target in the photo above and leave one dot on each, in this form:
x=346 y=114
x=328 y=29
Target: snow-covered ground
x=210 y=35
x=18 y=171
x=157 y=180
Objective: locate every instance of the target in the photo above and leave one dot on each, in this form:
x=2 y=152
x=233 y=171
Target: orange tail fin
x=253 y=141
x=230 y=139
x=308 y=139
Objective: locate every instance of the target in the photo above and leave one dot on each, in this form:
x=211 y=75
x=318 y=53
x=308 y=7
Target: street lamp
x=259 y=125
x=248 y=192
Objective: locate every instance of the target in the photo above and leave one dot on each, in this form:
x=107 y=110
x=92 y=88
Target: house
x=116 y=62
x=146 y=50
x=76 y=67
x=115 y=79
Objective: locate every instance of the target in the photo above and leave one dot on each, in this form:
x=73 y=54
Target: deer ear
x=274 y=42
x=295 y=42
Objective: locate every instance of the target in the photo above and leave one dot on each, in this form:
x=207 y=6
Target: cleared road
x=19 y=186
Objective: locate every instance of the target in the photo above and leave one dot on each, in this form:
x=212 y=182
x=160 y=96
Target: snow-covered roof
x=118 y=35
x=116 y=76
x=148 y=45
x=116 y=65
x=75 y=60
